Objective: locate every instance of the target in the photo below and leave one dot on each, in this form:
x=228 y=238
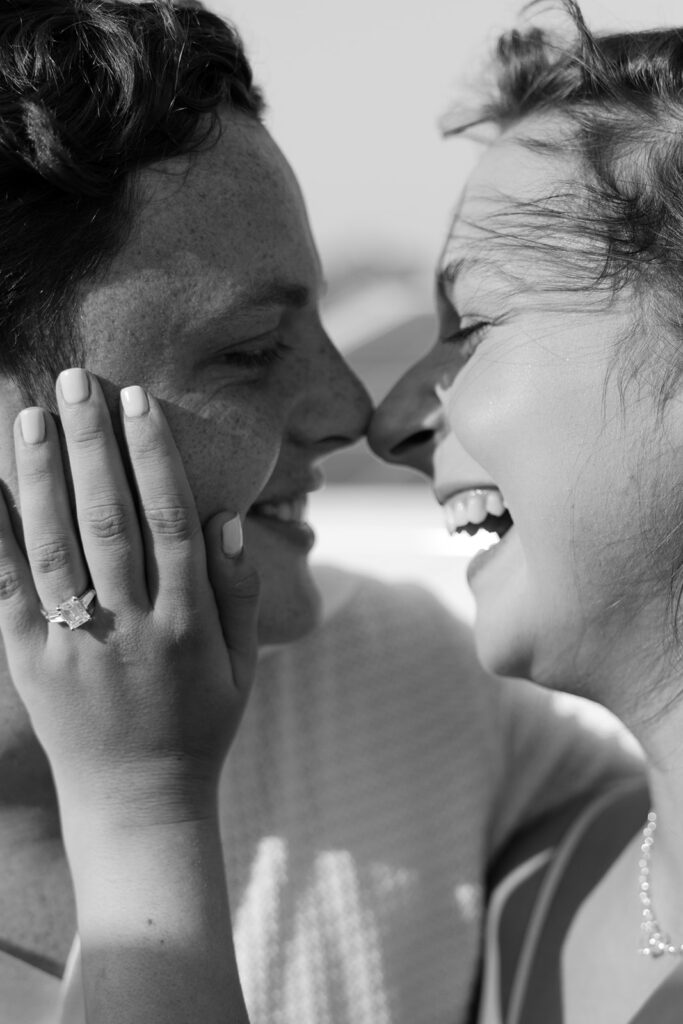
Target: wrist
x=137 y=797
x=141 y=883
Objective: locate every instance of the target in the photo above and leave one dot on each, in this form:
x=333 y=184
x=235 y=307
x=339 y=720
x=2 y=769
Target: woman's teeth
x=292 y=511
x=478 y=508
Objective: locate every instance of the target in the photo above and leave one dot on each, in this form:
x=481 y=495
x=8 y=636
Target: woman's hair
x=90 y=92
x=620 y=101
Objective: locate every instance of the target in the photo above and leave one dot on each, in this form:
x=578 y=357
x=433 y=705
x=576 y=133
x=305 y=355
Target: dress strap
x=28 y=994
x=582 y=858
x=665 y=1005
x=537 y=886
x=73 y=1004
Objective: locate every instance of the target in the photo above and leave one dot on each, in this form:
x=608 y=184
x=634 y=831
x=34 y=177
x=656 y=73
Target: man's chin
x=290 y=603
x=290 y=616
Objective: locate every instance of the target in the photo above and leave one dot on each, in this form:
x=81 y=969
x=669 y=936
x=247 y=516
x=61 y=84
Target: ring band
x=74 y=612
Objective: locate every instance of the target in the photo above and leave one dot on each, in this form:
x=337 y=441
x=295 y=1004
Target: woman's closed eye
x=467 y=337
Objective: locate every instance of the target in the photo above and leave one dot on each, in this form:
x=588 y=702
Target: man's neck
x=37 y=910
x=25 y=777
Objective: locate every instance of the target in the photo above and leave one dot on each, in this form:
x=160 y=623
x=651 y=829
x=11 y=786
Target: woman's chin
x=499 y=583
x=499 y=653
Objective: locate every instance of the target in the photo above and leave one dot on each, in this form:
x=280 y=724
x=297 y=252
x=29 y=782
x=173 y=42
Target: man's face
x=212 y=304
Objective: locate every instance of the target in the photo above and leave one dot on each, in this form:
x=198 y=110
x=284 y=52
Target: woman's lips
x=472 y=509
x=484 y=556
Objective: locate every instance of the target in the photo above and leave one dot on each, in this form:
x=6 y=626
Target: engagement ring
x=74 y=612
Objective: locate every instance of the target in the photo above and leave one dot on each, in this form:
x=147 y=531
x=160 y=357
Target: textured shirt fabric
x=377 y=771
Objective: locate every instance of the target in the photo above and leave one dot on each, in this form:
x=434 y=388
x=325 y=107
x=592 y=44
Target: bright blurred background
x=355 y=89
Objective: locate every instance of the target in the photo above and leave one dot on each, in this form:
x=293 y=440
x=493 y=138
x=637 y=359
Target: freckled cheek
x=228 y=454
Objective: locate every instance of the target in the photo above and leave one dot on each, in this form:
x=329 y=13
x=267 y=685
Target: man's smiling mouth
x=283 y=514
x=287 y=510
x=287 y=501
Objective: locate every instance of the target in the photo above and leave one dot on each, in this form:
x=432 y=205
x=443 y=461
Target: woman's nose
x=404 y=426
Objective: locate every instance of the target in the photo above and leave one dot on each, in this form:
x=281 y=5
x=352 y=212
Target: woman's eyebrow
x=449 y=273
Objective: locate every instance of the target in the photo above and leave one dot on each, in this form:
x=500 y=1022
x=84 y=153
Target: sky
x=355 y=90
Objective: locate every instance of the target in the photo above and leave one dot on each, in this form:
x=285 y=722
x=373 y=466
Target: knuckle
x=173 y=522
x=10 y=582
x=86 y=438
x=147 y=445
x=105 y=522
x=148 y=449
x=247 y=586
x=35 y=471
x=50 y=556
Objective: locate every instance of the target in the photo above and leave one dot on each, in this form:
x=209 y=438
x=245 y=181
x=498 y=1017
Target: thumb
x=236 y=587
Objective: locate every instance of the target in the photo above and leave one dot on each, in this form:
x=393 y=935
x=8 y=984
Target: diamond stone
x=75 y=613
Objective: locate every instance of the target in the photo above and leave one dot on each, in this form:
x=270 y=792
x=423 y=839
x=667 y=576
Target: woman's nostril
x=421 y=437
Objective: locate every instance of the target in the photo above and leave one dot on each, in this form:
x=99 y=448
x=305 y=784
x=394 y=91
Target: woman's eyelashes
x=467 y=338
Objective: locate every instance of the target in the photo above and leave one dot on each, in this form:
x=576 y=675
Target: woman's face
x=525 y=399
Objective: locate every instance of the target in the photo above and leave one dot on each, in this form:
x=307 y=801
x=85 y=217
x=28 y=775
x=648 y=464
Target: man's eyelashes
x=256 y=357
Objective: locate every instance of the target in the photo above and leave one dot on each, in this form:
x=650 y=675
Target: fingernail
x=75 y=385
x=32 y=423
x=134 y=401
x=231 y=537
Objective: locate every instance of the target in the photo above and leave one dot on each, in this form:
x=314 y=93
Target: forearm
x=154 y=925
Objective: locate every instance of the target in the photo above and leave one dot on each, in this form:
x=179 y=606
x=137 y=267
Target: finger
x=52 y=546
x=19 y=602
x=235 y=584
x=171 y=531
x=105 y=507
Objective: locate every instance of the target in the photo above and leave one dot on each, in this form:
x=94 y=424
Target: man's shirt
x=378 y=770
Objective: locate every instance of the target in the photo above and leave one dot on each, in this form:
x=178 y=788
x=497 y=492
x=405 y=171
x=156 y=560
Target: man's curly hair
x=90 y=92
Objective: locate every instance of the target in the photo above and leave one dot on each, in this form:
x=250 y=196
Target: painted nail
x=32 y=423
x=134 y=401
x=231 y=537
x=75 y=386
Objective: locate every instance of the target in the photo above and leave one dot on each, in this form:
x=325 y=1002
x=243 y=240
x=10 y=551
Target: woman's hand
x=135 y=709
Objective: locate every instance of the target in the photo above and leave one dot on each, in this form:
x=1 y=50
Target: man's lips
x=285 y=519
x=287 y=505
x=286 y=510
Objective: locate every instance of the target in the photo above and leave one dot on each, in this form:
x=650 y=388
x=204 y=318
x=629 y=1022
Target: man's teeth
x=470 y=508
x=292 y=511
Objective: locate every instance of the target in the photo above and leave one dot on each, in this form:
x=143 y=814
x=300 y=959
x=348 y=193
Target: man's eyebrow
x=274 y=293
x=266 y=295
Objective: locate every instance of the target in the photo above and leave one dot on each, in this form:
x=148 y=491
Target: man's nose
x=404 y=426
x=337 y=408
